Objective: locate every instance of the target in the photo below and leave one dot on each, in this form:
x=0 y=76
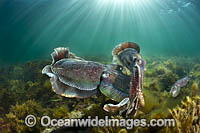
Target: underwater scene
x=100 y=66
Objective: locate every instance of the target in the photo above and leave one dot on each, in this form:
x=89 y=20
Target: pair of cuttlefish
x=121 y=81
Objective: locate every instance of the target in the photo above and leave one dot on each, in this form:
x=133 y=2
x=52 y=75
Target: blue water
x=31 y=29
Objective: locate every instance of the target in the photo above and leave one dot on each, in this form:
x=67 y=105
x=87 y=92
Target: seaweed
x=195 y=86
x=108 y=130
x=24 y=90
x=187 y=115
x=7 y=98
x=4 y=127
x=17 y=114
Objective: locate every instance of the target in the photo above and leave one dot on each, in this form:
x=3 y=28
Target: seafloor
x=24 y=90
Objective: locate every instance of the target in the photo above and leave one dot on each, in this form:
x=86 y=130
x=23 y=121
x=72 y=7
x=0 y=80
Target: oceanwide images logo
x=46 y=121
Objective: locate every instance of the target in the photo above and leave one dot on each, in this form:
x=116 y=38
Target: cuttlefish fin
x=65 y=90
x=68 y=91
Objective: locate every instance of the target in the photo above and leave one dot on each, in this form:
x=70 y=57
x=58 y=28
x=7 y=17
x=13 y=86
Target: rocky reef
x=24 y=90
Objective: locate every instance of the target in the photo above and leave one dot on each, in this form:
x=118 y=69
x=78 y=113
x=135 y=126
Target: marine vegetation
x=24 y=90
x=18 y=113
x=187 y=116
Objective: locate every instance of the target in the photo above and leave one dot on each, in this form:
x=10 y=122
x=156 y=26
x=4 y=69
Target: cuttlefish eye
x=120 y=68
x=106 y=75
x=140 y=62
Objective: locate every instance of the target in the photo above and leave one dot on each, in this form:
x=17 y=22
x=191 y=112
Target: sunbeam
x=95 y=26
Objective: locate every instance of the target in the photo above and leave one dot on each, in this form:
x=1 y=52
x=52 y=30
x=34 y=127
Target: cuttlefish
x=121 y=81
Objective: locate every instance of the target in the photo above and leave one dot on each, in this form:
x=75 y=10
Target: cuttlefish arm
x=118 y=107
x=136 y=97
x=141 y=79
x=132 y=92
x=135 y=93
